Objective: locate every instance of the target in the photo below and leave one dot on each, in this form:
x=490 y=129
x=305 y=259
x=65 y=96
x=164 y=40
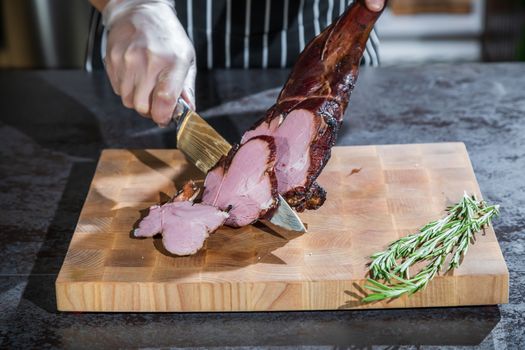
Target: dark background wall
x=504 y=37
x=43 y=33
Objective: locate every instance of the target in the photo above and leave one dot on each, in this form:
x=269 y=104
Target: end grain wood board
x=376 y=194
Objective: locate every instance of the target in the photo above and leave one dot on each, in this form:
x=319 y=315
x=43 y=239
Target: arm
x=150 y=61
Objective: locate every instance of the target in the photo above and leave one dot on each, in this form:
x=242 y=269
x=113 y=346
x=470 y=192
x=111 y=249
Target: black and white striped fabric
x=259 y=33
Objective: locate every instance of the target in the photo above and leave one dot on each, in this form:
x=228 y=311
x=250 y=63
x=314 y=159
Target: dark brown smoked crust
x=301 y=198
x=321 y=82
x=315 y=197
x=188 y=191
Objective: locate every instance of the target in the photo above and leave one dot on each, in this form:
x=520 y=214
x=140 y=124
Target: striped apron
x=259 y=33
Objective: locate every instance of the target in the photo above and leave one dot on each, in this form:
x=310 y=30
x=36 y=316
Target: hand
x=375 y=5
x=149 y=59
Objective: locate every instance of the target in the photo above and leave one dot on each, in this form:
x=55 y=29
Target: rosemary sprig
x=433 y=243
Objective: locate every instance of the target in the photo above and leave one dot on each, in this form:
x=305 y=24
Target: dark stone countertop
x=54 y=124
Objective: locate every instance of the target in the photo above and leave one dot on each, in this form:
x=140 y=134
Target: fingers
x=142 y=98
x=121 y=67
x=375 y=5
x=166 y=92
x=112 y=64
x=148 y=68
x=150 y=89
x=127 y=88
x=112 y=76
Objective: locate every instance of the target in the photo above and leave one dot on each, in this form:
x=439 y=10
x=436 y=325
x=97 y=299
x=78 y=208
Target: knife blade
x=204 y=146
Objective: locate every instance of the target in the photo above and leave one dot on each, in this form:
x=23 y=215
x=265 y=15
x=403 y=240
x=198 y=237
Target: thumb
x=375 y=5
x=188 y=90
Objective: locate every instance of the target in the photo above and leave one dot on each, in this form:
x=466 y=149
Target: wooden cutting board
x=376 y=194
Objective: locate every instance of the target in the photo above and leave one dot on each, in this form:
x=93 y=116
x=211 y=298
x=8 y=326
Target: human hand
x=375 y=5
x=150 y=61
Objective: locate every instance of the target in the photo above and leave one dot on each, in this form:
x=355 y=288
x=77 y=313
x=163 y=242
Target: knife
x=203 y=146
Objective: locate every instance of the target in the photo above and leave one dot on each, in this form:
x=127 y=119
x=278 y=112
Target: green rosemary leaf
x=435 y=241
x=376 y=285
x=374 y=297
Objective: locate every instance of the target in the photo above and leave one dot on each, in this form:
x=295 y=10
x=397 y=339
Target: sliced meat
x=151 y=224
x=293 y=137
x=187 y=225
x=309 y=111
x=244 y=182
x=240 y=189
x=184 y=225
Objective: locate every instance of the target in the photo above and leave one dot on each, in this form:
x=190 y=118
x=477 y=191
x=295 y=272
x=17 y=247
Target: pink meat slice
x=184 y=225
x=151 y=224
x=240 y=189
x=244 y=182
x=293 y=137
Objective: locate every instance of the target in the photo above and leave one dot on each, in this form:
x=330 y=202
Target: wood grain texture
x=375 y=195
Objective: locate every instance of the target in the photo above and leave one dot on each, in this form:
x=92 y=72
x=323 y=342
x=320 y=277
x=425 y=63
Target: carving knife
x=203 y=146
